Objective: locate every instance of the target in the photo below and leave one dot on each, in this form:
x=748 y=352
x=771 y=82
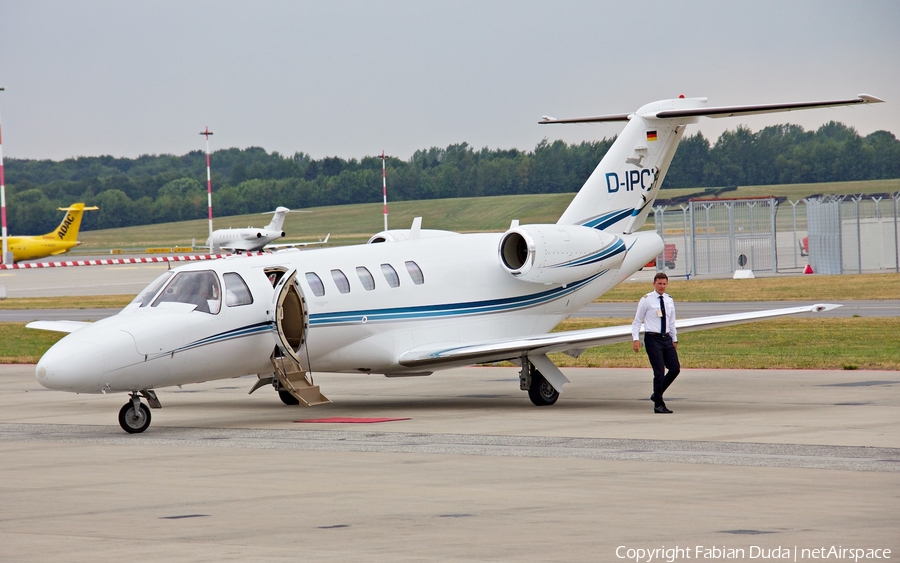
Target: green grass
x=789 y=343
x=350 y=224
x=82 y=302
x=20 y=345
x=786 y=288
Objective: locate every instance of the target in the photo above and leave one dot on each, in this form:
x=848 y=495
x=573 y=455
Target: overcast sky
x=351 y=79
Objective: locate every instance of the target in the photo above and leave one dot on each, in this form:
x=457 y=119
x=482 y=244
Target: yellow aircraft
x=58 y=241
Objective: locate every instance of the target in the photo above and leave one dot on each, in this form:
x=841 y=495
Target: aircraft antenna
x=207 y=132
x=4 y=259
x=384 y=186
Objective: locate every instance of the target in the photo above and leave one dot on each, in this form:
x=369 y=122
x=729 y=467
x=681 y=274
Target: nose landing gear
x=134 y=416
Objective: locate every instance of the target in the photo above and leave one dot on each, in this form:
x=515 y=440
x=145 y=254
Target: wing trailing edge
x=499 y=350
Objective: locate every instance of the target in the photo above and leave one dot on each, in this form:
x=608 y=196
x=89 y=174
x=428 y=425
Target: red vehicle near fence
x=670 y=253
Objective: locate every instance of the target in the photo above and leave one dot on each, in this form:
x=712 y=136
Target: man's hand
x=636 y=345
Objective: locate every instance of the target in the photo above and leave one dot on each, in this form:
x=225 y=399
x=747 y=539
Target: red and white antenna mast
x=384 y=187
x=4 y=259
x=207 y=132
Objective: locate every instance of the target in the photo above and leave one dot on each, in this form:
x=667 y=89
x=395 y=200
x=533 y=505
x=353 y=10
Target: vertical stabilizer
x=68 y=228
x=278 y=219
x=619 y=194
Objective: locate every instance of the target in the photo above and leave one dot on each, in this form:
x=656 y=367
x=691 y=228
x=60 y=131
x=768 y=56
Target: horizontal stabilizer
x=731 y=111
x=591 y=119
x=716 y=112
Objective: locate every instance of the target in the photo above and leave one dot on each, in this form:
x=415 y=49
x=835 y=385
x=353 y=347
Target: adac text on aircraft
x=58 y=241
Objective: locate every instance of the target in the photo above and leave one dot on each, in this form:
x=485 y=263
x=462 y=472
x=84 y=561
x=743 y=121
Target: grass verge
x=20 y=345
x=798 y=343
x=787 y=288
x=789 y=343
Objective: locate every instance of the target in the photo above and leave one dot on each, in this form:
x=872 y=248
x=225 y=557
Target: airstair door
x=290 y=317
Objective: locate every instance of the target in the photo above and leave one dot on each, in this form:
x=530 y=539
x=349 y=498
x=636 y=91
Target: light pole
x=207 y=132
x=5 y=258
x=384 y=187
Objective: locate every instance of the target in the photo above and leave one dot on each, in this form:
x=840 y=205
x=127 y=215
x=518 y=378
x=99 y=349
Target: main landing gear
x=134 y=416
x=540 y=391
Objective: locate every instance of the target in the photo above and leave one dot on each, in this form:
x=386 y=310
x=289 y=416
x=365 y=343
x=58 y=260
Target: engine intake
x=558 y=253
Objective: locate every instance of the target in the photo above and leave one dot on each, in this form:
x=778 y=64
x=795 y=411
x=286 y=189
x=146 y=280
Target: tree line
x=163 y=188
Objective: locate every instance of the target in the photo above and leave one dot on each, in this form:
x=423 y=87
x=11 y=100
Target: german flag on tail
x=651 y=135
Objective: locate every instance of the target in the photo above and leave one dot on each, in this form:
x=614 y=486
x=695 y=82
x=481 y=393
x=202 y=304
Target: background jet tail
x=68 y=228
x=278 y=219
x=619 y=195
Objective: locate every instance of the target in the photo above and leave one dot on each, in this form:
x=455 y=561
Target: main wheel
x=541 y=392
x=287 y=398
x=134 y=422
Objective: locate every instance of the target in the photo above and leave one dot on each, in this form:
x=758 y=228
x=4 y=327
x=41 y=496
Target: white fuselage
x=248 y=239
x=466 y=295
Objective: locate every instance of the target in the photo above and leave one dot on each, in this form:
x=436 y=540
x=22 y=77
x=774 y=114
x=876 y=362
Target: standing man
x=656 y=311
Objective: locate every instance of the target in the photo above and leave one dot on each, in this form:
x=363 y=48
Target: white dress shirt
x=648 y=314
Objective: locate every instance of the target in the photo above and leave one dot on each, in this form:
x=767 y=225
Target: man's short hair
x=660 y=276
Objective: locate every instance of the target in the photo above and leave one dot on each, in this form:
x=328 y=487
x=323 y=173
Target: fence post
x=684 y=238
x=773 y=205
x=857 y=199
x=794 y=219
x=731 y=249
x=659 y=215
x=896 y=198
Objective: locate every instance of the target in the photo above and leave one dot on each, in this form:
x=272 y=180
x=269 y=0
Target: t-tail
x=619 y=194
x=277 y=219
x=68 y=228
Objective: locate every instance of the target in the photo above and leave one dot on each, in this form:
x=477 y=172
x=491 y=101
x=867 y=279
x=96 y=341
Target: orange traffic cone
x=808 y=269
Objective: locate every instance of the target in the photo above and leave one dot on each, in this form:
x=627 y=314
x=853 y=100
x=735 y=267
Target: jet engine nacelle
x=558 y=253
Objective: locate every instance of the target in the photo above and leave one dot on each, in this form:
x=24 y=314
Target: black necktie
x=662 y=322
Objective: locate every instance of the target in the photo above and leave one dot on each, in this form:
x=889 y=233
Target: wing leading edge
x=542 y=344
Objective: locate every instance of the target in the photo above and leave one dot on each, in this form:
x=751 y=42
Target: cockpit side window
x=145 y=296
x=197 y=288
x=236 y=291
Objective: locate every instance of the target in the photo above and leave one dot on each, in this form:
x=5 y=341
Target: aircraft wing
x=542 y=344
x=240 y=246
x=296 y=244
x=57 y=326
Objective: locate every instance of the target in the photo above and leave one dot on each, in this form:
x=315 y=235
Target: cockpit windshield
x=149 y=292
x=197 y=288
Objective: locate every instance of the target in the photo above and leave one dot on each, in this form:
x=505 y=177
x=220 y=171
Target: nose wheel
x=134 y=416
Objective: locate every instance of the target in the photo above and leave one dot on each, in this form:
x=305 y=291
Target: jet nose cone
x=76 y=367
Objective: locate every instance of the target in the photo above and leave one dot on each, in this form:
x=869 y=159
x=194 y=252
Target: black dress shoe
x=661 y=409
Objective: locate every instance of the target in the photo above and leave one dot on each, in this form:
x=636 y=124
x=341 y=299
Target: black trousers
x=662 y=354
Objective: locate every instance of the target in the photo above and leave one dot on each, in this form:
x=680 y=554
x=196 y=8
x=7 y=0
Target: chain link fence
x=831 y=235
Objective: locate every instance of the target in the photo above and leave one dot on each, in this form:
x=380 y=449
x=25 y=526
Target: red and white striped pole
x=207 y=132
x=384 y=186
x=4 y=259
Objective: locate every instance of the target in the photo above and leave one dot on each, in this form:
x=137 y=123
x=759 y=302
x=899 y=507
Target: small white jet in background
x=417 y=301
x=252 y=239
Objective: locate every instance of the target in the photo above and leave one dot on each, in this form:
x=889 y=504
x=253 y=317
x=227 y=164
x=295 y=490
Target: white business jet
x=253 y=239
x=407 y=303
